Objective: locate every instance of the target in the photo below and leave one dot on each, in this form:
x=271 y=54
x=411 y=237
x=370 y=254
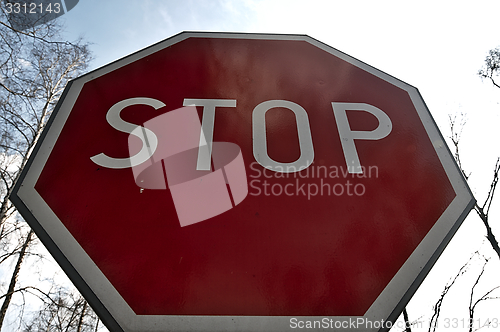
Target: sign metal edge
x=119 y=316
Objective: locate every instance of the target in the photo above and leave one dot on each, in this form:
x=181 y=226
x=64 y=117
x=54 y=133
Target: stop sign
x=240 y=182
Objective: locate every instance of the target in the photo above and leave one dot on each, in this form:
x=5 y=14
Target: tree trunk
x=80 y=321
x=13 y=279
x=407 y=321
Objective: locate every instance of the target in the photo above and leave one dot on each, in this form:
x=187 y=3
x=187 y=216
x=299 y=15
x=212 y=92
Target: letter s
x=148 y=146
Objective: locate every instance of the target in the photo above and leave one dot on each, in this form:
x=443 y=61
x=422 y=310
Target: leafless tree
x=35 y=66
x=490 y=70
x=433 y=323
x=483 y=209
x=491 y=67
x=65 y=311
x=485 y=297
x=473 y=299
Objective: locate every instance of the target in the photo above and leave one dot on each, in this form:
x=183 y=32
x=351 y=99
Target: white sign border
x=117 y=314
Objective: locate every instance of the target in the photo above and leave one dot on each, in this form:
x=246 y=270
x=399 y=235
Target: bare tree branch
x=456 y=135
x=15 y=275
x=473 y=304
x=407 y=321
x=491 y=66
x=433 y=323
x=482 y=211
x=35 y=66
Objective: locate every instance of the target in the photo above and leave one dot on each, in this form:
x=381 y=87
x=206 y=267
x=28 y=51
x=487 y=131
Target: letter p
x=347 y=136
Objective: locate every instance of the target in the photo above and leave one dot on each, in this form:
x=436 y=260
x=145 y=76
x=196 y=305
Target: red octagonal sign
x=243 y=182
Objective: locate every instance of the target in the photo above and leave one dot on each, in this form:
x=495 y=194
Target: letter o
x=260 y=141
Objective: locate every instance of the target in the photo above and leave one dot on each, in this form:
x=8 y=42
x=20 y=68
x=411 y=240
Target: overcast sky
x=436 y=46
